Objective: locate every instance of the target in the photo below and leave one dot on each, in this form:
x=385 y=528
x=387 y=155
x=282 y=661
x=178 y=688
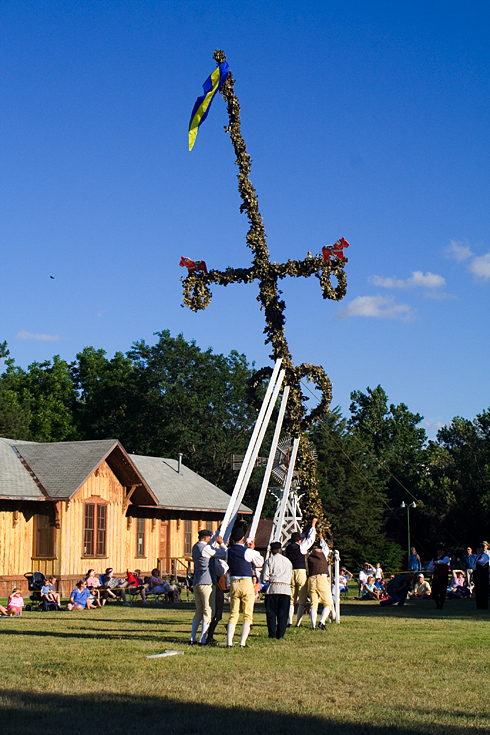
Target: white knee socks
x=313 y=618
x=230 y=632
x=245 y=632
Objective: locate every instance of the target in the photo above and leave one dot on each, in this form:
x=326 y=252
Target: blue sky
x=364 y=120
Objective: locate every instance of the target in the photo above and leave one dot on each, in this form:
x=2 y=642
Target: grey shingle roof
x=16 y=481
x=184 y=491
x=62 y=467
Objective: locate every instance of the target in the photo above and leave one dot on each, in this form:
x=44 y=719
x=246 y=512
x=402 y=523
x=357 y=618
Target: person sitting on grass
x=113 y=587
x=93 y=583
x=49 y=594
x=80 y=598
x=369 y=591
x=15 y=603
x=135 y=584
x=458 y=587
x=173 y=594
x=366 y=570
x=422 y=590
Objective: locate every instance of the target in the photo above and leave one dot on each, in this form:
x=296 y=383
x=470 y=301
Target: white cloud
x=416 y=280
x=43 y=337
x=376 y=306
x=480 y=266
x=458 y=251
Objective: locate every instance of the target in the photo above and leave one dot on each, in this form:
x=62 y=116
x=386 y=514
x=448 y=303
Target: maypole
x=197 y=296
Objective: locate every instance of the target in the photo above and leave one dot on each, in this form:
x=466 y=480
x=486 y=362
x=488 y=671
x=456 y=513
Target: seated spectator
x=93 y=583
x=135 y=584
x=156 y=585
x=49 y=594
x=80 y=598
x=458 y=587
x=366 y=570
x=369 y=590
x=344 y=577
x=422 y=588
x=113 y=587
x=173 y=593
x=15 y=603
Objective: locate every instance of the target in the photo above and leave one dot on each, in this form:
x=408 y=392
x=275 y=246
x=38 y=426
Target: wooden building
x=66 y=507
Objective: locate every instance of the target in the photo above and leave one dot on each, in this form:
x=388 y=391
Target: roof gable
x=63 y=467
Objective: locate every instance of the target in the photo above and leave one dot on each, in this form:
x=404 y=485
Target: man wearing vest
x=319 y=587
x=480 y=578
x=278 y=571
x=240 y=557
x=296 y=552
x=439 y=566
x=202 y=553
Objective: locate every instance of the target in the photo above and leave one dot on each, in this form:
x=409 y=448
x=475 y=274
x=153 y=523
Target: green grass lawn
x=410 y=669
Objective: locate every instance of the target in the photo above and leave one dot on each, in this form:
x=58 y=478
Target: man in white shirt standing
x=202 y=585
x=240 y=557
x=296 y=552
x=278 y=571
x=319 y=587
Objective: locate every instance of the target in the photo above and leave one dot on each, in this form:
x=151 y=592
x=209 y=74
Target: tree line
x=173 y=397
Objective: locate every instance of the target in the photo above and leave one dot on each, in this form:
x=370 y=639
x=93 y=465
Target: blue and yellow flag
x=200 y=112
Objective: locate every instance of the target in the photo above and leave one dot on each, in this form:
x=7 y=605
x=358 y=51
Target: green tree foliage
x=353 y=496
x=390 y=433
x=457 y=484
x=37 y=404
x=168 y=398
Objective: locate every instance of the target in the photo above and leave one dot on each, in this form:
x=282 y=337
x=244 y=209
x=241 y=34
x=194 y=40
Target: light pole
x=411 y=505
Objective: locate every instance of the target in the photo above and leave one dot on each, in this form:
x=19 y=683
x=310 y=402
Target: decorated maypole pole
x=197 y=294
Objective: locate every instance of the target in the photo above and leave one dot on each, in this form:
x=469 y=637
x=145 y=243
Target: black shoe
x=244 y=645
x=321 y=626
x=192 y=643
x=289 y=625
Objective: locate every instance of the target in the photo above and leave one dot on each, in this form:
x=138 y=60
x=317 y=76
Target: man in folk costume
x=319 y=587
x=480 y=578
x=202 y=553
x=240 y=557
x=218 y=569
x=439 y=566
x=296 y=552
x=278 y=571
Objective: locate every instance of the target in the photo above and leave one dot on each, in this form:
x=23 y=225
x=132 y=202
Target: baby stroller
x=35 y=581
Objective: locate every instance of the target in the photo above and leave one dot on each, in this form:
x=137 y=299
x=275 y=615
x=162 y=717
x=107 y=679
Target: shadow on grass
x=416 y=609
x=50 y=714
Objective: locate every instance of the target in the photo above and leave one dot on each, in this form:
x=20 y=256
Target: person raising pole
x=240 y=557
x=296 y=552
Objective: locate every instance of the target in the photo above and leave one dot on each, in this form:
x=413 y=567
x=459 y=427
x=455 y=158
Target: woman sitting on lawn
x=369 y=590
x=79 y=598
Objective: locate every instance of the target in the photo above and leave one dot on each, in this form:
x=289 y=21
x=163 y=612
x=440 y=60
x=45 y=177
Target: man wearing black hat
x=439 y=566
x=240 y=557
x=202 y=553
x=296 y=552
x=278 y=571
